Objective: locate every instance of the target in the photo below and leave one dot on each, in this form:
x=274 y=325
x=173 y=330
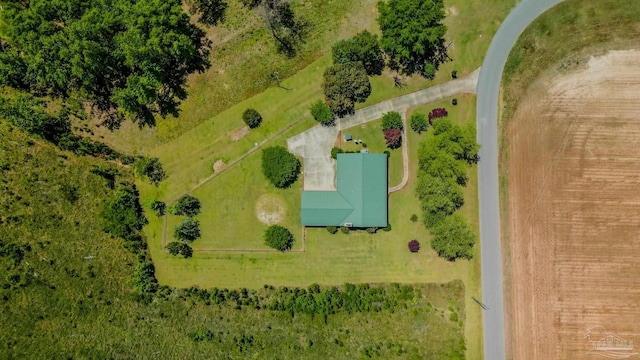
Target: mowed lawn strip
x=190 y=158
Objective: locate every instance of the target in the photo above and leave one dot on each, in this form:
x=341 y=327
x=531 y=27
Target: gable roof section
x=324 y=208
x=360 y=199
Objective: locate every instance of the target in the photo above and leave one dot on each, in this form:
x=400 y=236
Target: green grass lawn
x=229 y=205
x=371 y=134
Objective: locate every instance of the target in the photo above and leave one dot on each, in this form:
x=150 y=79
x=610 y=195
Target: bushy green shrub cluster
x=444 y=158
x=279 y=166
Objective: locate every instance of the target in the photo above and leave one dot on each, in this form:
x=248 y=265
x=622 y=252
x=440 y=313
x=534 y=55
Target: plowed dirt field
x=574 y=212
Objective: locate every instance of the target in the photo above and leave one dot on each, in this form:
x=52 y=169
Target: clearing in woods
x=574 y=208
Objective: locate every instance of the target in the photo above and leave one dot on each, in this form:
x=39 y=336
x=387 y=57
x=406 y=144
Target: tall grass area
x=66 y=288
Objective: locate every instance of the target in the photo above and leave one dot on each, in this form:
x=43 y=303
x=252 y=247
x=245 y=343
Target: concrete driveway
x=315 y=144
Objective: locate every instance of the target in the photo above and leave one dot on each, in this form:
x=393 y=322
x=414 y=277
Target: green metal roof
x=360 y=199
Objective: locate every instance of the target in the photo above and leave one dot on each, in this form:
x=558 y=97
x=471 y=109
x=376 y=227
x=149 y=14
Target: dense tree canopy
x=186 y=205
x=345 y=85
x=188 y=230
x=413 y=34
x=280 y=166
x=278 y=237
x=363 y=48
x=439 y=198
x=453 y=238
x=122 y=215
x=179 y=248
x=128 y=59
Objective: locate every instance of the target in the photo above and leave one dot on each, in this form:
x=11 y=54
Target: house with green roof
x=360 y=199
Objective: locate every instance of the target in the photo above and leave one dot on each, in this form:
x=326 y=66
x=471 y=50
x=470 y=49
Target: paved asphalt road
x=487 y=115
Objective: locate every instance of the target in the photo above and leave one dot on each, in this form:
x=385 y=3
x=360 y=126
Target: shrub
x=387 y=228
x=201 y=335
x=454 y=102
x=321 y=112
x=150 y=168
x=278 y=237
x=364 y=145
x=186 y=205
x=158 y=208
x=252 y=118
x=393 y=138
x=418 y=122
x=344 y=230
x=454 y=74
x=280 y=166
x=188 y=230
x=414 y=218
x=335 y=151
x=429 y=71
x=332 y=229
x=179 y=248
x=414 y=246
x=437 y=113
x=453 y=238
x=387 y=152
x=391 y=120
x=122 y=215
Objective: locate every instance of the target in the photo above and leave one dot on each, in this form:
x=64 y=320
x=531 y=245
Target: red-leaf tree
x=437 y=113
x=414 y=246
x=393 y=137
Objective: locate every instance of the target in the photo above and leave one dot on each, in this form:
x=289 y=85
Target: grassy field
x=69 y=293
x=329 y=259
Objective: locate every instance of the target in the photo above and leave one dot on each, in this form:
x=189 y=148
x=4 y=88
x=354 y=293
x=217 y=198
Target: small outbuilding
x=347 y=137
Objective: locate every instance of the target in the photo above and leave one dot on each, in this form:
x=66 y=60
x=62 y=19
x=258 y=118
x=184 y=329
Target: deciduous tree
x=392 y=120
x=179 y=248
x=418 y=122
x=393 y=138
x=345 y=85
x=128 y=59
x=252 y=118
x=413 y=34
x=186 y=205
x=188 y=230
x=363 y=48
x=280 y=166
x=321 y=112
x=278 y=237
x=453 y=238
